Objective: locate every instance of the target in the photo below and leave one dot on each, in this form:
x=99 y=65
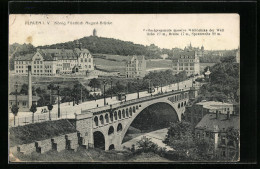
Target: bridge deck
x=133 y=101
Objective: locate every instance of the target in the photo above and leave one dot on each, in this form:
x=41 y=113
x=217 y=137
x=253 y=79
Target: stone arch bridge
x=105 y=127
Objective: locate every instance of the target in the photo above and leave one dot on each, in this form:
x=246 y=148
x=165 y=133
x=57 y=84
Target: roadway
x=70 y=110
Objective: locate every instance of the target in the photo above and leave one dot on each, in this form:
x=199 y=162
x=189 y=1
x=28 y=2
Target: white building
x=49 y=62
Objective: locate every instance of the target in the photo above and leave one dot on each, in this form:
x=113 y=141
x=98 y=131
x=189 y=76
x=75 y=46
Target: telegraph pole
x=58 y=88
x=104 y=92
x=81 y=93
x=138 y=88
x=111 y=87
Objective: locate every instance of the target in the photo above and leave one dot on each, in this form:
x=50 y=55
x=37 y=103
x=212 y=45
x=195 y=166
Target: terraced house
x=50 y=62
x=135 y=67
x=186 y=61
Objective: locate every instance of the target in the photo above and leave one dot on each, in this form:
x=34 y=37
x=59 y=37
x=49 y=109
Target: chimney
x=217 y=114
x=29 y=86
x=228 y=115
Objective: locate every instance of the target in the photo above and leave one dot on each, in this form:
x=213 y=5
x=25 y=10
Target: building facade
x=22 y=102
x=196 y=112
x=135 y=67
x=187 y=61
x=51 y=62
x=213 y=129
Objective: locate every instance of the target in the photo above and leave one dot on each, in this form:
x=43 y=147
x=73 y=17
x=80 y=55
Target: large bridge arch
x=99 y=140
x=130 y=121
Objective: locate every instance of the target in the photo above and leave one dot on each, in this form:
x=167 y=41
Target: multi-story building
x=196 y=112
x=22 y=102
x=49 y=62
x=186 y=61
x=135 y=66
x=213 y=129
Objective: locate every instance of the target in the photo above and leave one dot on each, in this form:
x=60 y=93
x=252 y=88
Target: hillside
x=110 y=46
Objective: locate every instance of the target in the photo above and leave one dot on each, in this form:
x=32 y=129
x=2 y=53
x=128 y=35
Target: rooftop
x=211 y=123
x=213 y=104
x=23 y=98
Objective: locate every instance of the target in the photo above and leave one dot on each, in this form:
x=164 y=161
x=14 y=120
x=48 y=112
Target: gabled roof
x=26 y=57
x=178 y=55
x=211 y=123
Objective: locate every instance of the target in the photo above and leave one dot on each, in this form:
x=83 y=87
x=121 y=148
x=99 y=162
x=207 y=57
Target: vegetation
x=224 y=82
x=186 y=147
x=14 y=110
x=39 y=131
x=33 y=109
x=17 y=50
x=50 y=107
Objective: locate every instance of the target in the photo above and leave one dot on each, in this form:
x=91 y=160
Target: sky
x=138 y=28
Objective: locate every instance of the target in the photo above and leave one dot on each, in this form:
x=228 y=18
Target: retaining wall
x=26 y=148
x=44 y=145
x=59 y=143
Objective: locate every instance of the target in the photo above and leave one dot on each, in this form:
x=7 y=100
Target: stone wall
x=26 y=148
x=43 y=146
x=72 y=141
x=59 y=143
x=69 y=141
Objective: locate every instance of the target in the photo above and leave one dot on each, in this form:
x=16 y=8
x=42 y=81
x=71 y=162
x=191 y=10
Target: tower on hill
x=94 y=32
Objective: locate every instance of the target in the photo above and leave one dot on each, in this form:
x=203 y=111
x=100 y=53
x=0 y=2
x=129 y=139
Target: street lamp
x=138 y=88
x=58 y=88
x=161 y=87
x=111 y=80
x=16 y=87
x=104 y=82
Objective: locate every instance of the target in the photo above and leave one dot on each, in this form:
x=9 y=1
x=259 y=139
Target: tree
x=228 y=59
x=24 y=89
x=14 y=110
x=94 y=83
x=33 y=109
x=50 y=87
x=146 y=145
x=50 y=107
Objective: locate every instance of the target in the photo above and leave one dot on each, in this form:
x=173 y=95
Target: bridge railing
x=146 y=98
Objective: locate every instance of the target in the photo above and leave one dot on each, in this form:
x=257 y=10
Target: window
x=89 y=59
x=34 y=62
x=86 y=59
x=81 y=60
x=24 y=103
x=181 y=68
x=186 y=64
x=223 y=153
x=37 y=62
x=40 y=62
x=181 y=64
x=191 y=64
x=89 y=66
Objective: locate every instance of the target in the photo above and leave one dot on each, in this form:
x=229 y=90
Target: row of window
x=22 y=62
x=21 y=71
x=86 y=60
x=37 y=62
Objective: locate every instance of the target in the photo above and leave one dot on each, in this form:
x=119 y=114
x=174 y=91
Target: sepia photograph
x=124 y=88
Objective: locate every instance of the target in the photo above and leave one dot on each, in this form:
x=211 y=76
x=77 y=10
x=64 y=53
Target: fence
x=20 y=121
